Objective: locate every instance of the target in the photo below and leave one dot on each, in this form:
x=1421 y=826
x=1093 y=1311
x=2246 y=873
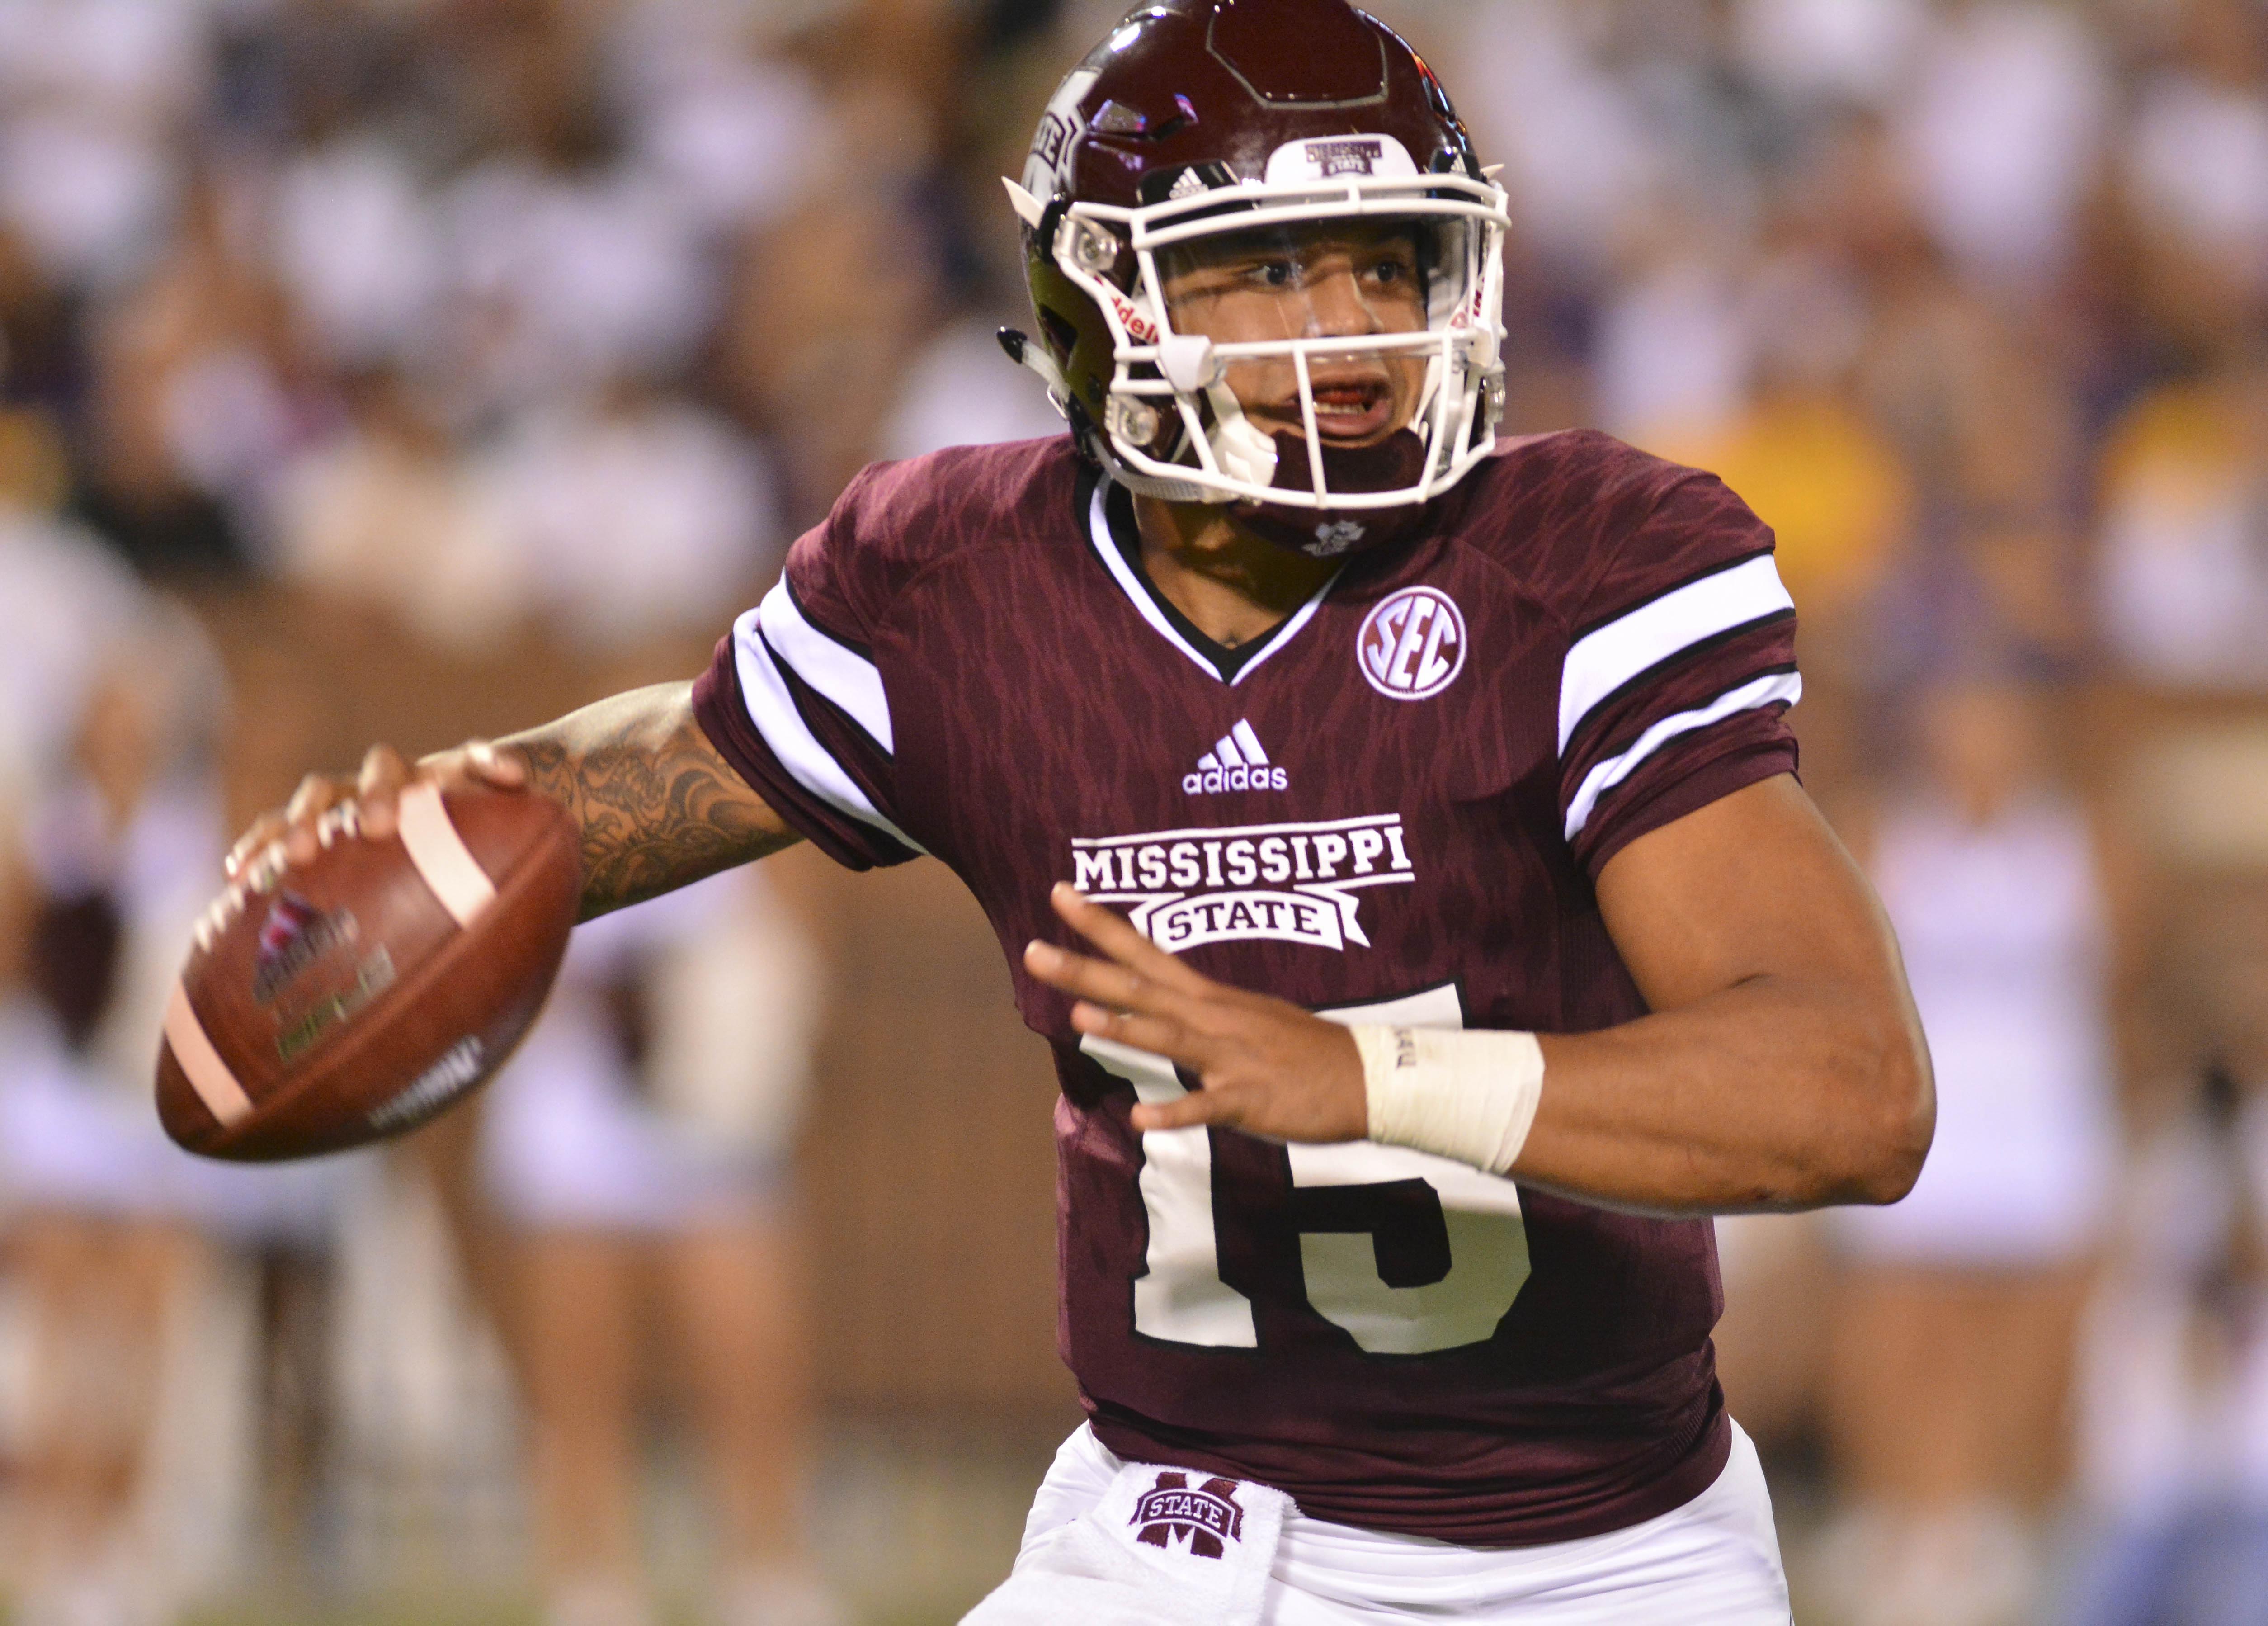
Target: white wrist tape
x=1466 y=1094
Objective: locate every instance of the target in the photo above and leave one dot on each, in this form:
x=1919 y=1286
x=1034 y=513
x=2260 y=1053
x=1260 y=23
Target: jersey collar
x=1109 y=525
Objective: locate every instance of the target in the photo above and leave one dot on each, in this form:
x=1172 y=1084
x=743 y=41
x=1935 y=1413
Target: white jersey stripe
x=771 y=708
x=1602 y=660
x=1602 y=777
x=843 y=674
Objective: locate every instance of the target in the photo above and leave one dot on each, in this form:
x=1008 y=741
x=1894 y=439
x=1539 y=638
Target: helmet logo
x=1054 y=134
x=1412 y=645
x=1048 y=170
x=1379 y=156
x=1345 y=157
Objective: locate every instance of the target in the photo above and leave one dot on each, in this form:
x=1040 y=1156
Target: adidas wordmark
x=1236 y=762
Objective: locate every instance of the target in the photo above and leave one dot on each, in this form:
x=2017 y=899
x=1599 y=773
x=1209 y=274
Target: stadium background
x=410 y=369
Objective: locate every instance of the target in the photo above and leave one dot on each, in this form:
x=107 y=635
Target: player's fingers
x=1159 y=1036
x=379 y=783
x=315 y=793
x=506 y=770
x=1199 y=1107
x=315 y=796
x=1102 y=982
x=1112 y=932
x=264 y=829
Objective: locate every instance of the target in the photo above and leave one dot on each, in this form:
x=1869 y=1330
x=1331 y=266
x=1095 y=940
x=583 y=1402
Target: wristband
x=1469 y=1094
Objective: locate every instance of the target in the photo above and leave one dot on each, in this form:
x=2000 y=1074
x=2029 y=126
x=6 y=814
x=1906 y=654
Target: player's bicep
x=658 y=804
x=1753 y=884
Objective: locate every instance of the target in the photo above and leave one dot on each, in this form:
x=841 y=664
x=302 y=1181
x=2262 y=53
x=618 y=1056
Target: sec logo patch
x=1412 y=645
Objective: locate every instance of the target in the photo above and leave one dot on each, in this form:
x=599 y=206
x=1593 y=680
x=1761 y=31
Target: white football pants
x=1714 y=1562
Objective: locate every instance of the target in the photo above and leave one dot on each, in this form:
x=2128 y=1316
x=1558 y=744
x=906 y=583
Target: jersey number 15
x=1181 y=1298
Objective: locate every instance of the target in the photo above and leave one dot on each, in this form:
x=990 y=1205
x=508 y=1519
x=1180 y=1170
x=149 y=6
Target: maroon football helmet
x=1199 y=125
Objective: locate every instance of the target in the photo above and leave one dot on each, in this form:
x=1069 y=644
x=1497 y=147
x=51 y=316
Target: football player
x=1392 y=831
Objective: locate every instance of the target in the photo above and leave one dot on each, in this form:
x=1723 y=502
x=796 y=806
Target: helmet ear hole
x=1062 y=336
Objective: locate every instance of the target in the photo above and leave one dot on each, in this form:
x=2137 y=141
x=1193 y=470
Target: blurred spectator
x=387 y=514
x=127 y=1493
x=2184 y=567
x=94 y=95
x=2173 y=1382
x=962 y=390
x=2001 y=134
x=193 y=400
x=637 y=1150
x=2174 y=1468
x=1953 y=1332
x=636 y=515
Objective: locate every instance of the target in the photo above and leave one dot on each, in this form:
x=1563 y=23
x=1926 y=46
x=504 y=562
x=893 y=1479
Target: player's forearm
x=658 y=807
x=1776 y=1093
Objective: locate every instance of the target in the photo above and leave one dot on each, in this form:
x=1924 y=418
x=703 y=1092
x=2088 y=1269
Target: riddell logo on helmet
x=1345 y=158
x=1138 y=326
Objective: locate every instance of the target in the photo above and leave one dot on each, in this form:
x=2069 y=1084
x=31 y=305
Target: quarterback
x=1393 y=829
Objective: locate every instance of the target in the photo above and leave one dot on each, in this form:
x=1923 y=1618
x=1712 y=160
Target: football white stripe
x=1603 y=661
x=843 y=676
x=1606 y=775
x=771 y=708
x=202 y=1065
x=442 y=860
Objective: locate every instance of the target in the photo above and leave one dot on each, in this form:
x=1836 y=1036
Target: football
x=369 y=988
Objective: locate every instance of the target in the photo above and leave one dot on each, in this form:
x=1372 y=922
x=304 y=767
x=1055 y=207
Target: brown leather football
x=371 y=987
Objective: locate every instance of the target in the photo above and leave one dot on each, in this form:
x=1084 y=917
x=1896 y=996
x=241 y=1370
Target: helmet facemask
x=1323 y=350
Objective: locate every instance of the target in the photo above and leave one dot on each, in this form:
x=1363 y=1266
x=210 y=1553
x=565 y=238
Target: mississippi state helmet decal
x=1200 y=123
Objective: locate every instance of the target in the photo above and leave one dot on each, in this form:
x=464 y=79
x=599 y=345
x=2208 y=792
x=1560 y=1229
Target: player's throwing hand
x=293 y=835
x=1266 y=1065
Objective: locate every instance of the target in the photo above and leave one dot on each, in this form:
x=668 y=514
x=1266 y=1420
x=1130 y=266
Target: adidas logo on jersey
x=1236 y=762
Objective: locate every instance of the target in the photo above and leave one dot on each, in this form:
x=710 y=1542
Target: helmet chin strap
x=1243 y=452
x=1025 y=353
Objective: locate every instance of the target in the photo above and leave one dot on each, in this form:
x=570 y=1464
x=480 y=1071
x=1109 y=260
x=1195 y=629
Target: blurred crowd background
x=410 y=369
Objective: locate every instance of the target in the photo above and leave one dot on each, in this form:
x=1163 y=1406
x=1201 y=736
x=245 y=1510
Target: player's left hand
x=1267 y=1067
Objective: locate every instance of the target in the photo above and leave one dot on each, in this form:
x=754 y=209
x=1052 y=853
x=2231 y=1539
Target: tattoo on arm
x=658 y=808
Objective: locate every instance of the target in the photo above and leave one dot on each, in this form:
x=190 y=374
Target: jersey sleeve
x=1679 y=672
x=795 y=701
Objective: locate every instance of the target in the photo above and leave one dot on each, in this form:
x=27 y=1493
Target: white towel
x=1164 y=1547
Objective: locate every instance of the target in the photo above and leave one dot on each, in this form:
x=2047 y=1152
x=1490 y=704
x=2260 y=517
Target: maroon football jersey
x=1392 y=806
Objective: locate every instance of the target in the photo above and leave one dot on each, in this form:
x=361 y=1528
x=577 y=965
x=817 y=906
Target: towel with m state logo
x=1164 y=1547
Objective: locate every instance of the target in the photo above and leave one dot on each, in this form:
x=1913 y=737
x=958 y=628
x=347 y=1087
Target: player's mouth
x=1349 y=411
